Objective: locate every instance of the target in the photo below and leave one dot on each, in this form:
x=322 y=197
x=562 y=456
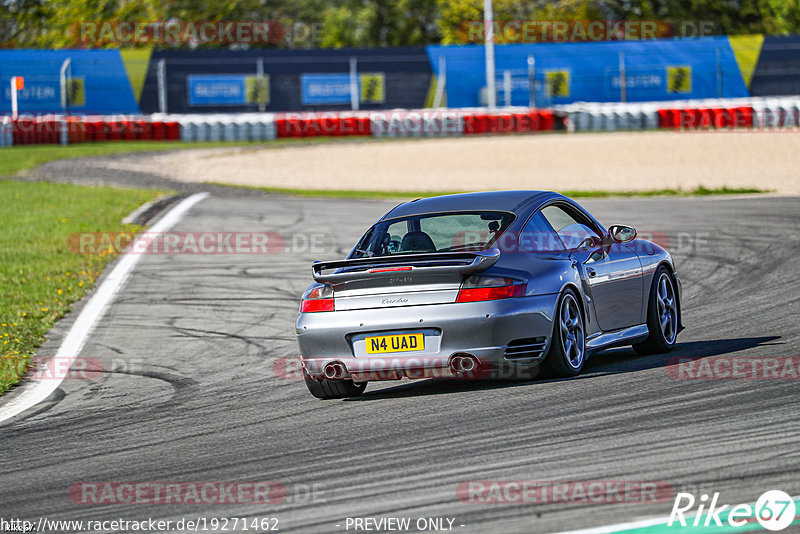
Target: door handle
x=591 y=272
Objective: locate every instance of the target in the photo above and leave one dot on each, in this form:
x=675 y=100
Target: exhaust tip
x=334 y=370
x=463 y=363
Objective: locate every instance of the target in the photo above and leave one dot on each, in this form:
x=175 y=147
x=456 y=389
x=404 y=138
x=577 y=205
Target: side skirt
x=625 y=336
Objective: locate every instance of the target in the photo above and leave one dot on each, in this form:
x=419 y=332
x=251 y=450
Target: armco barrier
x=709 y=114
x=325 y=124
x=413 y=123
x=49 y=129
x=232 y=127
x=762 y=113
x=706 y=118
x=6 y=132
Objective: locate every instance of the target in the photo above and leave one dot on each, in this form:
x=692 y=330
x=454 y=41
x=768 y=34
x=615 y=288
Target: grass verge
x=345 y=193
x=19 y=158
x=40 y=279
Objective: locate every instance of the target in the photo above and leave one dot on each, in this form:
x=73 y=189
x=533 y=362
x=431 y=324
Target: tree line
x=380 y=23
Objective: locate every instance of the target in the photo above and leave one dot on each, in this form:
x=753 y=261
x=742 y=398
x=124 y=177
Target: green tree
x=457 y=15
x=22 y=22
x=387 y=23
x=366 y=23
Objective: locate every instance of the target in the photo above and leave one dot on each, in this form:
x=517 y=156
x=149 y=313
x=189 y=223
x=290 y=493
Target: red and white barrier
x=779 y=113
x=49 y=129
x=774 y=113
x=389 y=123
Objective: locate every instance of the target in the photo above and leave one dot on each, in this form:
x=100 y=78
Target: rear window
x=438 y=232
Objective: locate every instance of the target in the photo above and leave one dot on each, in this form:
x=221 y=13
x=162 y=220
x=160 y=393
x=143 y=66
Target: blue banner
x=667 y=69
x=216 y=90
x=325 y=89
x=38 y=93
x=99 y=81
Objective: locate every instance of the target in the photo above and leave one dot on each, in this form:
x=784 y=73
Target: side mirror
x=621 y=233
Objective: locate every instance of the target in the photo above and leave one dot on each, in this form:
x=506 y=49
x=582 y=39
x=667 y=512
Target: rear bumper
x=481 y=329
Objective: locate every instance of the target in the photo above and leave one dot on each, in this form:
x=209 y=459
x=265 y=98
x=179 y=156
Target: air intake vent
x=529 y=347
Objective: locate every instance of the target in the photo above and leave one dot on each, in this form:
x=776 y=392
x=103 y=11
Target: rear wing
x=431 y=263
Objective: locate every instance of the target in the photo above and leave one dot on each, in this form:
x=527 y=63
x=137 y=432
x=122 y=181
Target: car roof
x=513 y=201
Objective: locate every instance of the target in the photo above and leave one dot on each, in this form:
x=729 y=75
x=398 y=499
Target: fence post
x=531 y=82
x=354 y=84
x=507 y=88
x=65 y=80
x=14 y=106
x=162 y=85
x=623 y=82
x=260 y=82
x=441 y=80
x=488 y=31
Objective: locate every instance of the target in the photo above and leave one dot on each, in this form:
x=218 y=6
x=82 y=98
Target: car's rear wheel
x=662 y=315
x=323 y=388
x=567 y=352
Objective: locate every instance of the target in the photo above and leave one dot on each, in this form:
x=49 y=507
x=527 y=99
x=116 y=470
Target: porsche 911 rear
x=420 y=316
x=421 y=295
x=472 y=285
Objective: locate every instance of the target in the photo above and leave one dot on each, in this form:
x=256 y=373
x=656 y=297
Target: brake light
x=478 y=288
x=390 y=269
x=317 y=298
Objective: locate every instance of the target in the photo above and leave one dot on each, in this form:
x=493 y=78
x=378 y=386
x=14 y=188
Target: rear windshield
x=436 y=232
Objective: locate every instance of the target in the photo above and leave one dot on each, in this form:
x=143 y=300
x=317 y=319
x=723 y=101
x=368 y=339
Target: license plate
x=395 y=343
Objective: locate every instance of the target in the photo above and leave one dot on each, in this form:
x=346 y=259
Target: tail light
x=478 y=288
x=317 y=298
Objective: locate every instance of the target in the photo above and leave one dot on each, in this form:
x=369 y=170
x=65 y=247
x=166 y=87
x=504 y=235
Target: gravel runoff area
x=624 y=161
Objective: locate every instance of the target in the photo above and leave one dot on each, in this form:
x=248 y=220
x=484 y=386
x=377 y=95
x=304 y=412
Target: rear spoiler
x=432 y=263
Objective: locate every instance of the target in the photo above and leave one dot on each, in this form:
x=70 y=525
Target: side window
x=572 y=232
x=538 y=236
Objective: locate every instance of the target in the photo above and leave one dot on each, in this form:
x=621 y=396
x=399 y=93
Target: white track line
x=91 y=314
x=610 y=529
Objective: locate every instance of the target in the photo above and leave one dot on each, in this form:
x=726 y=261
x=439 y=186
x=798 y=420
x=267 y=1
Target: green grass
x=40 y=278
x=346 y=193
x=20 y=158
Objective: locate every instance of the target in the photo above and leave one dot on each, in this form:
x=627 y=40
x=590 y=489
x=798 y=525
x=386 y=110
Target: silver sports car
x=496 y=284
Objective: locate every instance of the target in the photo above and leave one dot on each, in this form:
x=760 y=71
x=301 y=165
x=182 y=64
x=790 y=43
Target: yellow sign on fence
x=679 y=79
x=557 y=83
x=76 y=92
x=257 y=89
x=373 y=87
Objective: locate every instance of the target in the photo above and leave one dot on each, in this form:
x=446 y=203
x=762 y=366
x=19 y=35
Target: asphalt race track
x=190 y=391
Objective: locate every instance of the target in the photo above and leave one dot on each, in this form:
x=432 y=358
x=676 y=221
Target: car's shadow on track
x=624 y=359
x=608 y=362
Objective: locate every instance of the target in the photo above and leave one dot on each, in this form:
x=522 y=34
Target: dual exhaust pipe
x=335 y=371
x=462 y=363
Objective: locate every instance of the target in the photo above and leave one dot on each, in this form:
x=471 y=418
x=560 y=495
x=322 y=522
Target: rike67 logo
x=775 y=510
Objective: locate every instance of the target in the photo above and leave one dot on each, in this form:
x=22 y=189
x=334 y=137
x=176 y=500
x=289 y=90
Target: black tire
x=660 y=341
x=323 y=388
x=562 y=360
